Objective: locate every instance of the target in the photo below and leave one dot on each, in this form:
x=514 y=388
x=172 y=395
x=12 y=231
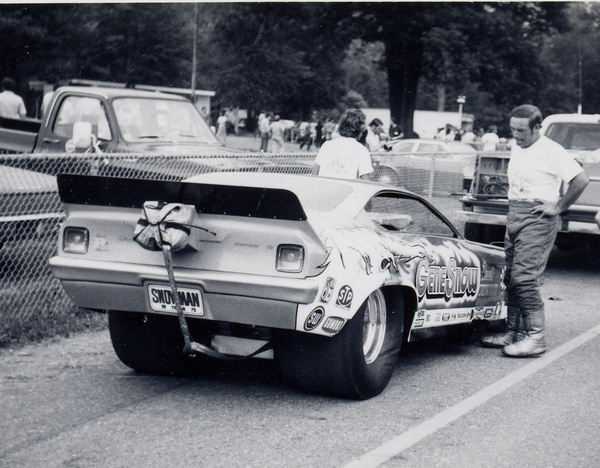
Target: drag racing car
x=327 y=276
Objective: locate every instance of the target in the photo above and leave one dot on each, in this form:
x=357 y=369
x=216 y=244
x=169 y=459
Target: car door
x=454 y=279
x=73 y=108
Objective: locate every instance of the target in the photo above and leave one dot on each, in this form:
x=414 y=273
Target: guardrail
x=31 y=212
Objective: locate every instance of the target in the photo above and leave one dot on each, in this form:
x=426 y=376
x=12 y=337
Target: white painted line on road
x=428 y=427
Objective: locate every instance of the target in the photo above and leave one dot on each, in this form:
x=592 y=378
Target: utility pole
x=461 y=102
x=579 y=78
x=194 y=53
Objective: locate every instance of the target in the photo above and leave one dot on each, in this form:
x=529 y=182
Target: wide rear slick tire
x=356 y=363
x=150 y=343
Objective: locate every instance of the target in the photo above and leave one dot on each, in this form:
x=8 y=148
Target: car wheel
x=150 y=343
x=357 y=363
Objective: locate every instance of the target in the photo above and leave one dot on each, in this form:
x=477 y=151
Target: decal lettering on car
x=345 y=296
x=447 y=281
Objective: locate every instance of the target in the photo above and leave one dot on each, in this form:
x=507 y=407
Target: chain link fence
x=31 y=211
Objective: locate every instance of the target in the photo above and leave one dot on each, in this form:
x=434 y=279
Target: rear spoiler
x=257 y=202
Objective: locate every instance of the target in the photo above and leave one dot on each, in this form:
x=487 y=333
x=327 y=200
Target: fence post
x=431 y=177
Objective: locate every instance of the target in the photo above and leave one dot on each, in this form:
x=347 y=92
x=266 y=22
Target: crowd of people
x=480 y=139
x=274 y=134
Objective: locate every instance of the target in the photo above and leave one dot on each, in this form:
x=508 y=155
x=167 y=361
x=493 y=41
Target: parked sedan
x=422 y=164
x=330 y=281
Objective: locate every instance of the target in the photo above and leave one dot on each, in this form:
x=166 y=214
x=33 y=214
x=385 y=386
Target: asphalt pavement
x=70 y=403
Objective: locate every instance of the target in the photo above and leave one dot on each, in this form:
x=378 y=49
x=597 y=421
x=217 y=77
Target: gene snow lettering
x=446 y=281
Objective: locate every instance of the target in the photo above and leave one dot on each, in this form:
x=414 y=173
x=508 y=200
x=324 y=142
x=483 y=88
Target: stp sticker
x=345 y=296
x=314 y=318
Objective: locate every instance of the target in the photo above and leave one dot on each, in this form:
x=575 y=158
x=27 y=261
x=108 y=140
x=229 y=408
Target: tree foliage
x=293 y=58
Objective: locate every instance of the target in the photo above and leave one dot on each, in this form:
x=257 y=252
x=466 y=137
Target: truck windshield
x=142 y=119
x=575 y=136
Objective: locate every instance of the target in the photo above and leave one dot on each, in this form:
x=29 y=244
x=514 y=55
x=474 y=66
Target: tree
x=571 y=63
x=281 y=57
x=443 y=40
x=364 y=72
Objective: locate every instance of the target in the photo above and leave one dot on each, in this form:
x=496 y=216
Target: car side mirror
x=82 y=134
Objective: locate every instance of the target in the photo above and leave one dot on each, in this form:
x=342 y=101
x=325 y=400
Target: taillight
x=290 y=258
x=76 y=240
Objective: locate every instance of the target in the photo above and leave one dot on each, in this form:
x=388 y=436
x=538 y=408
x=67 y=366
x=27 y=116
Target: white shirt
x=373 y=140
x=221 y=121
x=537 y=172
x=277 y=130
x=11 y=105
x=343 y=158
x=490 y=140
x=468 y=137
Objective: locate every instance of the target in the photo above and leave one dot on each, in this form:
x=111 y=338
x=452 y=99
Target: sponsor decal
x=368 y=264
x=328 y=290
x=314 y=318
x=345 y=296
x=447 y=281
x=418 y=323
x=445 y=316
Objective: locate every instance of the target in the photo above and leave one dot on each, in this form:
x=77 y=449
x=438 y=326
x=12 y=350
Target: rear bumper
x=228 y=297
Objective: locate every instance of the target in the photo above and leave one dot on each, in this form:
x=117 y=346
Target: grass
x=39 y=311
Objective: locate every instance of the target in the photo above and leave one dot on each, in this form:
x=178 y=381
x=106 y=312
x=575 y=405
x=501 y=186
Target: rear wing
x=257 y=202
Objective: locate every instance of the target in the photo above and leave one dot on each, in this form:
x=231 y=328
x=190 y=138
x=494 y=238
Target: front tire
x=357 y=363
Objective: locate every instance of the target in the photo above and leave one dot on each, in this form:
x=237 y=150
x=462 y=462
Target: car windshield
x=149 y=119
x=575 y=136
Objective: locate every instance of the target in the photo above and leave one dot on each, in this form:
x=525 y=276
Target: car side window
x=395 y=212
x=402 y=147
x=81 y=109
x=429 y=148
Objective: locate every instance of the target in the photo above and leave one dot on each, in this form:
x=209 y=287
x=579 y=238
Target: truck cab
x=121 y=120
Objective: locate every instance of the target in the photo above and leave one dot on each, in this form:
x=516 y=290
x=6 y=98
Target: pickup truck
x=153 y=127
x=484 y=208
x=122 y=120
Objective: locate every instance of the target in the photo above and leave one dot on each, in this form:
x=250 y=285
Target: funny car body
x=327 y=276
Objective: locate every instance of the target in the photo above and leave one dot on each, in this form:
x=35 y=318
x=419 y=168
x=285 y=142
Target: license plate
x=161 y=300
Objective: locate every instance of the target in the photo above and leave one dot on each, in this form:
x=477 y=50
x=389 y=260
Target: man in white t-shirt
x=344 y=157
x=11 y=104
x=375 y=135
x=537 y=171
x=277 y=131
x=490 y=139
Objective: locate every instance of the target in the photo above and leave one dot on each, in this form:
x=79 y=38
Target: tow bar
x=166 y=227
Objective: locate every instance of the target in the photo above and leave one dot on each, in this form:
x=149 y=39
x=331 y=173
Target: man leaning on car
x=537 y=168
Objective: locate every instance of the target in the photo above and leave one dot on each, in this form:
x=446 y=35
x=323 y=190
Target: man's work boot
x=510 y=336
x=534 y=343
